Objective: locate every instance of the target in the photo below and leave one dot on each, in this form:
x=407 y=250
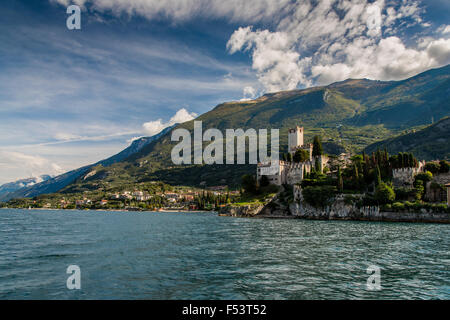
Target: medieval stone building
x=285 y=172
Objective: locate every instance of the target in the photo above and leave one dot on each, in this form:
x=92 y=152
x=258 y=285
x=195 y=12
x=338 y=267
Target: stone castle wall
x=404 y=177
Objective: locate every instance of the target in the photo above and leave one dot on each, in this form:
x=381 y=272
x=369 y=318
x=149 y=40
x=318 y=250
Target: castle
x=290 y=172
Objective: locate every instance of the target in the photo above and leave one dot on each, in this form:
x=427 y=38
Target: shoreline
x=387 y=217
x=334 y=213
x=405 y=217
x=108 y=210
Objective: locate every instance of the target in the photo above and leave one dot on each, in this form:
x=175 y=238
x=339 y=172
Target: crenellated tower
x=295 y=139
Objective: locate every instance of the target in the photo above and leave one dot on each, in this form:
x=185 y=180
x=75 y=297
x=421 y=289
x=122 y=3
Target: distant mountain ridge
x=22 y=183
x=55 y=184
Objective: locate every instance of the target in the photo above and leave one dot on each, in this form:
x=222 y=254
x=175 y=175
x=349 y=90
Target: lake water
x=131 y=255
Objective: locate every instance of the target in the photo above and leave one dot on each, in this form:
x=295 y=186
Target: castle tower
x=295 y=138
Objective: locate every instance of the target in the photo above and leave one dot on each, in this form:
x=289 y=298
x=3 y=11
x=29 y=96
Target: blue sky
x=72 y=97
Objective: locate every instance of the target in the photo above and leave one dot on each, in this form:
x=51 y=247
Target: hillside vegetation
x=348 y=115
x=430 y=143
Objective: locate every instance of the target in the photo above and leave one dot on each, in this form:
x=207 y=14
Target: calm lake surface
x=131 y=255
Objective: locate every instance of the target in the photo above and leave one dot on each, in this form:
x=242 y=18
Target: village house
x=188 y=197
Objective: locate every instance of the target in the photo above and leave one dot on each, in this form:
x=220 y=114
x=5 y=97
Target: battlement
x=295 y=138
x=297 y=128
x=405 y=176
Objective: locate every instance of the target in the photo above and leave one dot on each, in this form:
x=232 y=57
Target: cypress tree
x=318 y=166
x=289 y=157
x=405 y=160
x=411 y=160
x=317 y=147
x=400 y=160
x=340 y=181
x=378 y=176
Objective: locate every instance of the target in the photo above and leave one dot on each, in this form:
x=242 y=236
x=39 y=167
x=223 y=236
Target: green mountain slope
x=430 y=143
x=348 y=115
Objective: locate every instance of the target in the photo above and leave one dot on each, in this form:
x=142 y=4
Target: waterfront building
x=285 y=172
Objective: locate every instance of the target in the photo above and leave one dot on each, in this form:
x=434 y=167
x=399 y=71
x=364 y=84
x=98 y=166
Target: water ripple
x=126 y=255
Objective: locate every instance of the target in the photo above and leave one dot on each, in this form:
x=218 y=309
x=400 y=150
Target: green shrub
x=301 y=155
x=424 y=177
x=444 y=166
x=432 y=167
x=264 y=181
x=398 y=206
x=384 y=194
x=319 y=196
x=249 y=183
x=419 y=189
x=408 y=205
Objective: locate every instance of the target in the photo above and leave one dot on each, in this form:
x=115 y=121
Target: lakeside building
x=285 y=172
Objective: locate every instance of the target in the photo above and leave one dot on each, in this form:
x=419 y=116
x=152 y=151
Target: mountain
x=57 y=183
x=430 y=143
x=347 y=115
x=22 y=183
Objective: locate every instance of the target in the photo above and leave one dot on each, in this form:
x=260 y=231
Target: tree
x=379 y=181
x=317 y=166
x=301 y=155
x=419 y=189
x=355 y=172
x=433 y=167
x=317 y=147
x=384 y=194
x=249 y=183
x=319 y=196
x=424 y=177
x=340 y=180
x=444 y=166
x=289 y=157
x=264 y=182
x=410 y=160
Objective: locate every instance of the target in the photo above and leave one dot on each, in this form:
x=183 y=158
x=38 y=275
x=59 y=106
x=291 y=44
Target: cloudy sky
x=72 y=97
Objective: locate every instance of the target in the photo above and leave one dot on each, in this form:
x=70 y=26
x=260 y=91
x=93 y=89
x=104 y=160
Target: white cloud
x=444 y=29
x=316 y=45
x=278 y=66
x=154 y=127
x=308 y=41
x=236 y=10
x=64 y=136
x=249 y=93
x=27 y=165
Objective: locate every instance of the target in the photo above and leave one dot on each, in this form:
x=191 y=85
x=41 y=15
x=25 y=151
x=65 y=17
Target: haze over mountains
x=348 y=115
x=22 y=183
x=30 y=187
